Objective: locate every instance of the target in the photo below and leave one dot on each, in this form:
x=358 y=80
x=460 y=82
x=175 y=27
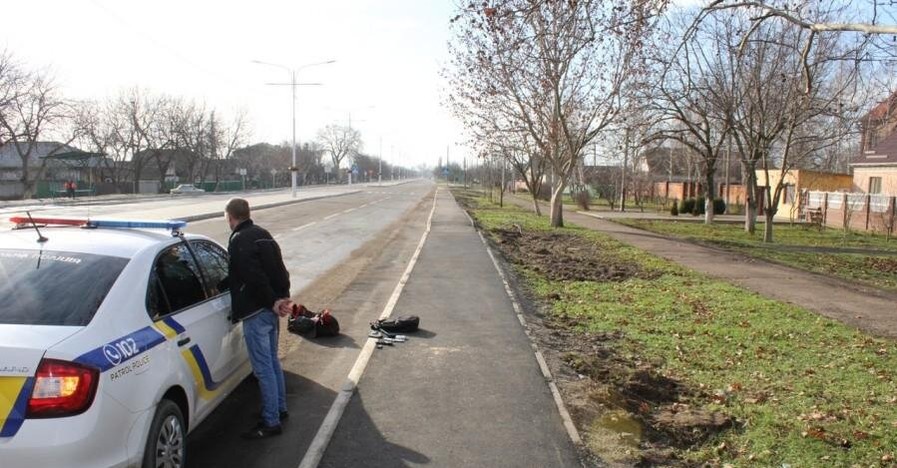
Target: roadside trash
x=312 y=324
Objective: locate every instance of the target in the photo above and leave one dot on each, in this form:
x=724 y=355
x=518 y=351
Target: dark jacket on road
x=257 y=275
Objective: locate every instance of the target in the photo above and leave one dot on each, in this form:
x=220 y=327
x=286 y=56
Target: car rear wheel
x=166 y=446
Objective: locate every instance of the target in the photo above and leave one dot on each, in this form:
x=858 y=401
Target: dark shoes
x=261 y=431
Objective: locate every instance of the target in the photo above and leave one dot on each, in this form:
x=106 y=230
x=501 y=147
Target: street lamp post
x=292 y=84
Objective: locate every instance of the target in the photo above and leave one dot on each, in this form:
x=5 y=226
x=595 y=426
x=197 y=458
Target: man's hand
x=283 y=307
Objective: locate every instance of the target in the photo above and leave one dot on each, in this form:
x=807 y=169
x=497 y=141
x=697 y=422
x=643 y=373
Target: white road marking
x=319 y=444
x=572 y=432
x=349 y=210
x=305 y=226
x=334 y=215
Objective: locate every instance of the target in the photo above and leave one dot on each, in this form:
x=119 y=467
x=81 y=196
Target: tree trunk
x=767 y=230
x=708 y=194
x=536 y=207
x=750 y=206
x=557 y=205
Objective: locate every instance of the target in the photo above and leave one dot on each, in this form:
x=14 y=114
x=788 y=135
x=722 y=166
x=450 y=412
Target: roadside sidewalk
x=865 y=308
x=465 y=390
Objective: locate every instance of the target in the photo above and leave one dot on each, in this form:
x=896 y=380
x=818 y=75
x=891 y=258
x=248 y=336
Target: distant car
x=115 y=343
x=186 y=188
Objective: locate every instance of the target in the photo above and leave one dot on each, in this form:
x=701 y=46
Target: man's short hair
x=238 y=209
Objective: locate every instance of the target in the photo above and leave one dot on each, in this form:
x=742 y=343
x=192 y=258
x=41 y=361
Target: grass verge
x=865 y=258
x=800 y=389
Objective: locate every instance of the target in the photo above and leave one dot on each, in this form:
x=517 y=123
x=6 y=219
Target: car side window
x=213 y=261
x=177 y=282
x=156 y=301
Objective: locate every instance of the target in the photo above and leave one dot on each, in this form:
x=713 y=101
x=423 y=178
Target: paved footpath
x=862 y=307
x=466 y=390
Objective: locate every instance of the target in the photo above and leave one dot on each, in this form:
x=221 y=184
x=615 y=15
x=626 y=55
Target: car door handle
x=183 y=341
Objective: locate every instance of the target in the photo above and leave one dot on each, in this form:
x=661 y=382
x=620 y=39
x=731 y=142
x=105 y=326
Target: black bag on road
x=403 y=324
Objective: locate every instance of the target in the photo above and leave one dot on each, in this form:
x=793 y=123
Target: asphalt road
x=345 y=253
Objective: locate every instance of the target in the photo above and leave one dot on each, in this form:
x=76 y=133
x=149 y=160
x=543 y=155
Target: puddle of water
x=628 y=428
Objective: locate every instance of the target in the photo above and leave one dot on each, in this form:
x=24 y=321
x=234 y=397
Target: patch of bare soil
x=882 y=265
x=628 y=412
x=565 y=257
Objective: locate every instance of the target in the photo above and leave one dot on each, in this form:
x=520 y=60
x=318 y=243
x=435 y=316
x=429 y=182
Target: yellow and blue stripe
x=196 y=361
x=14 y=394
x=170 y=328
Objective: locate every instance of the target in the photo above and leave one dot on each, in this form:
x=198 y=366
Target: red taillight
x=62 y=388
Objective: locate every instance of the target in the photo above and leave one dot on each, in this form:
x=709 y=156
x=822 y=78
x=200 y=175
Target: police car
x=115 y=342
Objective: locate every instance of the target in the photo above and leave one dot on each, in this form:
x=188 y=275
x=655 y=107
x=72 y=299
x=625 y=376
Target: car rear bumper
x=102 y=436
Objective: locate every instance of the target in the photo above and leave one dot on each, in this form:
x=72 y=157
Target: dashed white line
x=349 y=210
x=305 y=226
x=334 y=215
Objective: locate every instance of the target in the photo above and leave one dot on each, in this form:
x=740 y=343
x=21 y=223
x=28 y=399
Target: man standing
x=260 y=293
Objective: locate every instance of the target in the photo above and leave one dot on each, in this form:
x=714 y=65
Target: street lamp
x=292 y=84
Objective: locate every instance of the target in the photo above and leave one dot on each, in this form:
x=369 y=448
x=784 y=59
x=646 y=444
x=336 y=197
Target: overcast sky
x=388 y=55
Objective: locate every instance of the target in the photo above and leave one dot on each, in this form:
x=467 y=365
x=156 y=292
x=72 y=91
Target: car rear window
x=54 y=288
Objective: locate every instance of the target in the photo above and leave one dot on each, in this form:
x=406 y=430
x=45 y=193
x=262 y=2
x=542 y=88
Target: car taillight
x=62 y=388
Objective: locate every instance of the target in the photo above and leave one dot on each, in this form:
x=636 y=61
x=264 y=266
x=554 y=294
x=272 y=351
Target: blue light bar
x=134 y=224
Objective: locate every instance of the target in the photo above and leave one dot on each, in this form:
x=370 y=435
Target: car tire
x=166 y=445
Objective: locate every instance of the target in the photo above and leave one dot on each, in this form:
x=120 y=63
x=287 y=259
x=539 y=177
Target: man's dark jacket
x=257 y=276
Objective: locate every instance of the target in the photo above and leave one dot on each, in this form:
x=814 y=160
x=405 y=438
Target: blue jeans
x=261 y=332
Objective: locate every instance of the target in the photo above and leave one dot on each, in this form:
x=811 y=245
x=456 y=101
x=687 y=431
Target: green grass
x=791 y=377
x=849 y=266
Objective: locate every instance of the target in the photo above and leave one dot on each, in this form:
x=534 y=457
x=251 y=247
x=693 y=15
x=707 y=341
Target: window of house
x=874 y=185
x=789 y=194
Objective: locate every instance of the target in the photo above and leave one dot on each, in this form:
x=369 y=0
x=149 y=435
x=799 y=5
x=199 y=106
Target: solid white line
x=543 y=366
x=334 y=215
x=319 y=444
x=305 y=226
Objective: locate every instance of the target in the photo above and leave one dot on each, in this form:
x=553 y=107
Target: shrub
x=674 y=208
x=698 y=208
x=719 y=206
x=687 y=205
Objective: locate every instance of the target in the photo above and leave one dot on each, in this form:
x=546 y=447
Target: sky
x=388 y=57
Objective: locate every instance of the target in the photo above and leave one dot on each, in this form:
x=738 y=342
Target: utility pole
x=292 y=84
x=728 y=165
x=501 y=202
x=623 y=178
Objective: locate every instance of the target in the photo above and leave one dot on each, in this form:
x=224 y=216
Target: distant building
x=54 y=170
x=875 y=168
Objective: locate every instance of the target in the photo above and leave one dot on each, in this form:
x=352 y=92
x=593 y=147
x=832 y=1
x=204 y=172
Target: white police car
x=114 y=343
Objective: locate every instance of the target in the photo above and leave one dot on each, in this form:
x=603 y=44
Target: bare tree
x=223 y=140
x=693 y=75
x=551 y=70
x=31 y=109
x=340 y=141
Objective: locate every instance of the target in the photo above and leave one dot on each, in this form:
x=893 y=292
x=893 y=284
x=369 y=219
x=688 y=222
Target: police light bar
x=24 y=220
x=101 y=223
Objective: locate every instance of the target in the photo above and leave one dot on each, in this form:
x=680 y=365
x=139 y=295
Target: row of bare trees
x=782 y=84
x=536 y=82
x=134 y=130
x=138 y=129
x=31 y=108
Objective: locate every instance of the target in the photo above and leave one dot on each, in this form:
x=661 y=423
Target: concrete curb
x=217 y=214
